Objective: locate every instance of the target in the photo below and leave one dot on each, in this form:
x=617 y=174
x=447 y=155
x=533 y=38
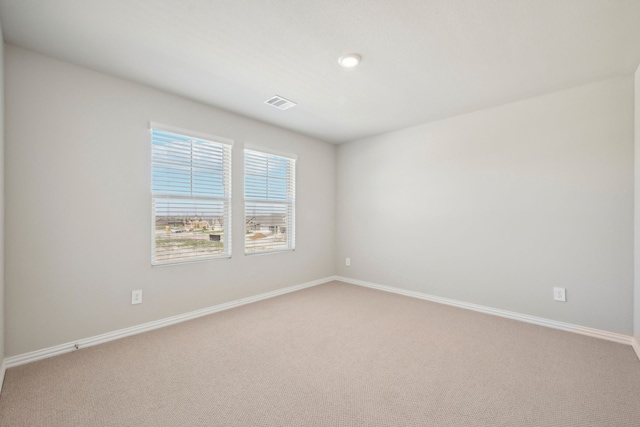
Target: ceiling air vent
x=280 y=103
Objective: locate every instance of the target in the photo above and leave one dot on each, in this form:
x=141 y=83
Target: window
x=269 y=202
x=191 y=195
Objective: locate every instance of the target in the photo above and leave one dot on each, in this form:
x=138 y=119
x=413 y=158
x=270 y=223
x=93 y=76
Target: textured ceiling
x=422 y=59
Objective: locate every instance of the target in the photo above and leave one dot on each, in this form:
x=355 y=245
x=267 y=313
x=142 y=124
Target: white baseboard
x=22 y=359
x=596 y=333
x=636 y=346
x=3 y=370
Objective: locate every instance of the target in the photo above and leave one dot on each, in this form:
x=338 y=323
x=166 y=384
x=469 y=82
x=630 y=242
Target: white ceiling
x=422 y=59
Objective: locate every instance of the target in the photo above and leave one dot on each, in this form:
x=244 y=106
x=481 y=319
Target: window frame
x=290 y=202
x=227 y=159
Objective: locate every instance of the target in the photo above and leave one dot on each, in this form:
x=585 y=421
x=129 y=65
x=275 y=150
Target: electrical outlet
x=347 y=262
x=559 y=294
x=136 y=297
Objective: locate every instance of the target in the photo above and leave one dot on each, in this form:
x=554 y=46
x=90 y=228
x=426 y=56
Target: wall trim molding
x=3 y=370
x=582 y=330
x=636 y=346
x=21 y=359
x=44 y=353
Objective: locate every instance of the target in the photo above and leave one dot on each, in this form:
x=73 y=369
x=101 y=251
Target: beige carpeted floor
x=334 y=355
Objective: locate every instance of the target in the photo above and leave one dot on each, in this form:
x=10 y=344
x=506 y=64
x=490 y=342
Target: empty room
x=320 y=213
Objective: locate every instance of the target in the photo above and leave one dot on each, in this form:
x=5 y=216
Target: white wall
x=637 y=208
x=78 y=206
x=499 y=206
x=2 y=309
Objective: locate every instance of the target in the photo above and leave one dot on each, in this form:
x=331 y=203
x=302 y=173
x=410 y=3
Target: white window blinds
x=191 y=195
x=269 y=202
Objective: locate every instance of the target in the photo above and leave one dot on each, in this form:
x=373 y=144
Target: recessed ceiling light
x=350 y=60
